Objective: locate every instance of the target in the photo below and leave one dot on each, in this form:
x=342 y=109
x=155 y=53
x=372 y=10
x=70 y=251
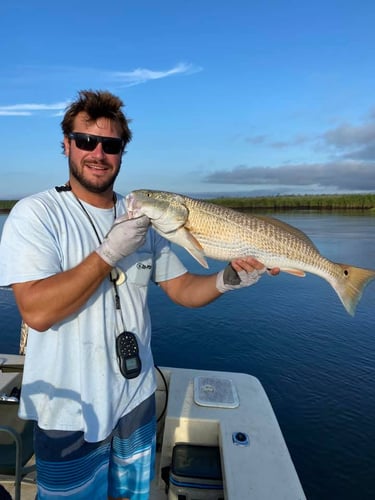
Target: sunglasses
x=88 y=142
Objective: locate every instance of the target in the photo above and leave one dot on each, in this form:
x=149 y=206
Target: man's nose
x=98 y=151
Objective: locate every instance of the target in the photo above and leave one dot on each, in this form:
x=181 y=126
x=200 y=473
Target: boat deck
x=227 y=410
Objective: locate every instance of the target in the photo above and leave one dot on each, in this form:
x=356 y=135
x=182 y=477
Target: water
x=315 y=361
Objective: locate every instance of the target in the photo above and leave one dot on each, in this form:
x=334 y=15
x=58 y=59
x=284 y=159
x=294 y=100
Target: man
x=72 y=258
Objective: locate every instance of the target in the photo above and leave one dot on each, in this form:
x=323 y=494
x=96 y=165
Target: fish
x=205 y=229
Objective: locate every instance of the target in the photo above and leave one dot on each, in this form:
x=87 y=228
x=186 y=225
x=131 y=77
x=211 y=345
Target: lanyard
x=114 y=275
x=127 y=349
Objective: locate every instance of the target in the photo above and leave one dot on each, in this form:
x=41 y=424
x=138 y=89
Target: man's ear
x=66 y=143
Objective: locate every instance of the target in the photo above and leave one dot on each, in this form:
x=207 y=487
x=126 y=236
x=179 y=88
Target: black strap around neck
x=64 y=187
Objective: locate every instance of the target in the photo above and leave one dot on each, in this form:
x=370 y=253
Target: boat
x=217 y=437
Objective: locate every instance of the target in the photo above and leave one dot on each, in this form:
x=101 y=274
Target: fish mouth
x=129 y=204
x=137 y=206
x=129 y=199
x=133 y=206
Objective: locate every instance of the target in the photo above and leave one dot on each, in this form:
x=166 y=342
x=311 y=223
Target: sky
x=243 y=97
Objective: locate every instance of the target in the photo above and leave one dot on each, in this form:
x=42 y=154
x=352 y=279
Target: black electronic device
x=128 y=355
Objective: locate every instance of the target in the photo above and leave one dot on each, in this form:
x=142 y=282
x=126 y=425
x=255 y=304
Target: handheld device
x=128 y=355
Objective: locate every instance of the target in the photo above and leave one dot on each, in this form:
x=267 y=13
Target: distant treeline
x=290 y=202
x=6 y=205
x=302 y=202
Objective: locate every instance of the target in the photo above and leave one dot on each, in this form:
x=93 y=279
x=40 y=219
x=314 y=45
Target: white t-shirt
x=71 y=377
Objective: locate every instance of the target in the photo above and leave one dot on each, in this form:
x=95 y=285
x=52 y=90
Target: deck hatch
x=215 y=392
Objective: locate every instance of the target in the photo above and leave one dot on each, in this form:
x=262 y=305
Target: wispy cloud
x=5 y=112
x=98 y=77
x=143 y=75
x=268 y=141
x=30 y=108
x=256 y=139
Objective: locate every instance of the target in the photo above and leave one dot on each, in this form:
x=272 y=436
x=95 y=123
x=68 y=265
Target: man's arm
x=191 y=290
x=42 y=303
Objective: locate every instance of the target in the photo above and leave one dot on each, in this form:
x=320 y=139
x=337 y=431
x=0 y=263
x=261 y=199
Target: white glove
x=229 y=279
x=124 y=237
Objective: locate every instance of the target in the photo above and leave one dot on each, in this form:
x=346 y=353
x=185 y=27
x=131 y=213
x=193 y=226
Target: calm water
x=315 y=361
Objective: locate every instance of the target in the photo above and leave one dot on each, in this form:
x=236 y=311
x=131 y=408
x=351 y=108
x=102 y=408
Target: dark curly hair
x=97 y=104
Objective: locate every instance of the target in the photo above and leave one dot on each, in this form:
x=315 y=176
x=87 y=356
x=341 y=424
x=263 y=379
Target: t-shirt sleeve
x=167 y=264
x=28 y=249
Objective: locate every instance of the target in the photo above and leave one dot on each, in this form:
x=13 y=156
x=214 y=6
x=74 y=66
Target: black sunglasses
x=88 y=142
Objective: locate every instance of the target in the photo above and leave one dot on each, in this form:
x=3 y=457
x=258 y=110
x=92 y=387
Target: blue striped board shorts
x=121 y=466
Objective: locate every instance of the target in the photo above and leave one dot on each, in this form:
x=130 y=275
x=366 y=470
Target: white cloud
x=5 y=112
x=142 y=75
x=117 y=78
x=30 y=108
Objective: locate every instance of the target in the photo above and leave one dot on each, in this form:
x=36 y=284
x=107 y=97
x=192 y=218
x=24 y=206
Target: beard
x=100 y=186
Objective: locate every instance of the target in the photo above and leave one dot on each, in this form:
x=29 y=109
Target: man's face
x=94 y=170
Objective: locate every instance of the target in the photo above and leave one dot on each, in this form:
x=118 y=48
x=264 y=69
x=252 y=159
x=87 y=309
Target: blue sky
x=242 y=96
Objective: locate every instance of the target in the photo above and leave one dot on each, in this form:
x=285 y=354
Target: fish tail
x=350 y=285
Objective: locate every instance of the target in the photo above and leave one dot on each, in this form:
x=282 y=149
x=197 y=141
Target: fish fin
x=193 y=247
x=350 y=286
x=295 y=272
x=185 y=239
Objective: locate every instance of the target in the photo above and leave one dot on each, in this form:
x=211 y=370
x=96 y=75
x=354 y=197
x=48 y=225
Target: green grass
x=6 y=205
x=303 y=202
x=292 y=202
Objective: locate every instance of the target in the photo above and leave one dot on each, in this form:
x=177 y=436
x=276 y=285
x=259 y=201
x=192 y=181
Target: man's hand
x=124 y=238
x=241 y=273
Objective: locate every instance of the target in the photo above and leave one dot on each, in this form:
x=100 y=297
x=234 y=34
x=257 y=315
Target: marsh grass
x=301 y=202
x=291 y=202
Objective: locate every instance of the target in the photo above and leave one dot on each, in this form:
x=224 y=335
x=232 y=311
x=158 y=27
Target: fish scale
x=208 y=230
x=227 y=234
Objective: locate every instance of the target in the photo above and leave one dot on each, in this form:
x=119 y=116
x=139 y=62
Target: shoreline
x=365 y=202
